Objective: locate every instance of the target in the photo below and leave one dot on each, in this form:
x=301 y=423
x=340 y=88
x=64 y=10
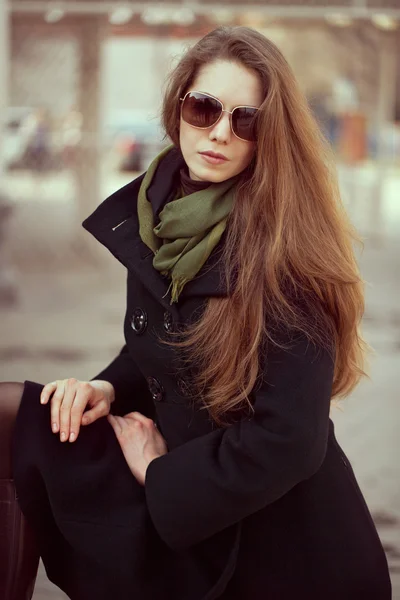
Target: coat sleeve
x=131 y=390
x=216 y=480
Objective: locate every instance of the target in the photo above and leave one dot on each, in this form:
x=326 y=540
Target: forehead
x=231 y=82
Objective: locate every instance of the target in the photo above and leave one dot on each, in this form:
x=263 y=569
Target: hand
x=140 y=441
x=70 y=398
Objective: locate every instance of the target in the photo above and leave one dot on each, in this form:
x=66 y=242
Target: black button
x=156 y=389
x=183 y=387
x=168 y=322
x=139 y=321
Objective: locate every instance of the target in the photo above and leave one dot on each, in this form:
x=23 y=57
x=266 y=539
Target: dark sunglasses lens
x=200 y=110
x=244 y=123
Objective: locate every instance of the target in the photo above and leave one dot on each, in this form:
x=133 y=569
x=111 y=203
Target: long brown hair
x=288 y=245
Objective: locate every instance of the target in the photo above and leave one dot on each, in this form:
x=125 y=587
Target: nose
x=222 y=130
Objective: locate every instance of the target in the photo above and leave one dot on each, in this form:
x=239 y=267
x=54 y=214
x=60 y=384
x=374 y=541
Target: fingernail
x=54 y=427
x=62 y=437
x=72 y=437
x=42 y=400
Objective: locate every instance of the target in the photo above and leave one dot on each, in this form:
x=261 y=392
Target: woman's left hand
x=140 y=441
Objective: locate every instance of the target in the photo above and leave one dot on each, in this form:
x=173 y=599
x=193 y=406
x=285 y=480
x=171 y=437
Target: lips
x=214 y=154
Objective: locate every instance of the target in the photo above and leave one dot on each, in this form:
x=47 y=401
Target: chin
x=208 y=174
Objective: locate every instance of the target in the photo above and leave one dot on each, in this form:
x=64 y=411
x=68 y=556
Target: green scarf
x=190 y=227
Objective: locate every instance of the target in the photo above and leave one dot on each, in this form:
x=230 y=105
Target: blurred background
x=80 y=90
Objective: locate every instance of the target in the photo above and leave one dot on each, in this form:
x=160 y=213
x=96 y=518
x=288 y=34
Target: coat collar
x=115 y=224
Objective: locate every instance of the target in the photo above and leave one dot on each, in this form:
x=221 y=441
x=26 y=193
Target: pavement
x=67 y=320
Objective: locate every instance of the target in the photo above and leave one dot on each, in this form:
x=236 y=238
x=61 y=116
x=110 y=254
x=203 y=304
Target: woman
x=216 y=472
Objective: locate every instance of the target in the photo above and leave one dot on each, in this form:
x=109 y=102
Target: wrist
x=107 y=387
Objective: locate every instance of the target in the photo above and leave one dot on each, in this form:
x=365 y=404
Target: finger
x=55 y=406
x=65 y=408
x=47 y=390
x=80 y=402
x=116 y=425
x=121 y=422
x=100 y=410
x=137 y=416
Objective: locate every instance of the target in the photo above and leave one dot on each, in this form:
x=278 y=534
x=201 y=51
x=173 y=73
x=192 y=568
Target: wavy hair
x=288 y=255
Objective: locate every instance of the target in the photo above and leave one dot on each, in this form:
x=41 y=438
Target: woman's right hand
x=69 y=400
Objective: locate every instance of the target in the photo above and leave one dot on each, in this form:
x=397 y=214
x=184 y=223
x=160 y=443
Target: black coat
x=266 y=508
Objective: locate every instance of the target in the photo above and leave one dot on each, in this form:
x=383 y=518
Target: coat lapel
x=115 y=224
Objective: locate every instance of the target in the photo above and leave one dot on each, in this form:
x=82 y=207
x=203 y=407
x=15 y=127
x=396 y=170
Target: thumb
x=95 y=413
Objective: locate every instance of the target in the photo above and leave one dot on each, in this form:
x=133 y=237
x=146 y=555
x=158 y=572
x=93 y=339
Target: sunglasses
x=203 y=111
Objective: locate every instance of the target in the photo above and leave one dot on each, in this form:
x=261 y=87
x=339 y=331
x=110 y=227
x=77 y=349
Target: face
x=234 y=85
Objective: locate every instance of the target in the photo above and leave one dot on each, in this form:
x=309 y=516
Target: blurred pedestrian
x=37 y=129
x=210 y=468
x=71 y=136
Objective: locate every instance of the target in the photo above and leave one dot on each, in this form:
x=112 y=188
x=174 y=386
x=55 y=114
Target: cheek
x=185 y=142
x=187 y=136
x=243 y=154
x=246 y=153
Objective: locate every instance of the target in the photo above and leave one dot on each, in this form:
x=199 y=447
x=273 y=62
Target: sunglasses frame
x=230 y=112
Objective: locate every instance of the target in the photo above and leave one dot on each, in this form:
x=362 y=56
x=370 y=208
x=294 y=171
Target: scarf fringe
x=176 y=284
x=177 y=287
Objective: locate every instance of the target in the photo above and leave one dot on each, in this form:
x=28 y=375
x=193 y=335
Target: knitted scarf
x=189 y=229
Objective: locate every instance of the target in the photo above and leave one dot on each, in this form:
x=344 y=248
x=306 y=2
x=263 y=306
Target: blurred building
x=97 y=68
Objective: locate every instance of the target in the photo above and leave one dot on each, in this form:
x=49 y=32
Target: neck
x=189 y=185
